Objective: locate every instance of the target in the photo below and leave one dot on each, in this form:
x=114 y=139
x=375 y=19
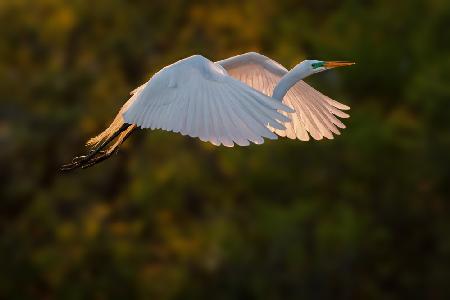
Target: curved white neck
x=296 y=74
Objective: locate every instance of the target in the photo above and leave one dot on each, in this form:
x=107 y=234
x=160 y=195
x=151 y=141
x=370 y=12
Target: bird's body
x=239 y=100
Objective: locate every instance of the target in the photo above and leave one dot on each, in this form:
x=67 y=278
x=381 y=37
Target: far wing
x=314 y=113
x=255 y=70
x=198 y=98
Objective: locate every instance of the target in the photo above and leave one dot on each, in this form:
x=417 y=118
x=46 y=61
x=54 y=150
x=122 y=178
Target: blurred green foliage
x=364 y=216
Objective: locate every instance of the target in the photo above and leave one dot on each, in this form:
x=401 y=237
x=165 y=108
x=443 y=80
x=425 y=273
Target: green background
x=364 y=216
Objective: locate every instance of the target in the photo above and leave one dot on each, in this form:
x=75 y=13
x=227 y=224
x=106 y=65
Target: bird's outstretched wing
x=198 y=98
x=314 y=113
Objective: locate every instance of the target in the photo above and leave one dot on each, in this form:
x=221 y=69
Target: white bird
x=239 y=100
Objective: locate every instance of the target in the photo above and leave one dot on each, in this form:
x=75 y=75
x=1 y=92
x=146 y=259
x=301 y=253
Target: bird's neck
x=296 y=74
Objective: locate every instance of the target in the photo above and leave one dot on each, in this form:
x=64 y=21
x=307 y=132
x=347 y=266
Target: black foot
x=86 y=161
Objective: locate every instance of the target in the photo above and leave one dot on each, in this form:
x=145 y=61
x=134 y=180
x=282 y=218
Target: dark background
x=364 y=216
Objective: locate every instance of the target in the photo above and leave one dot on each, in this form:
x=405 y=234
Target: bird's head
x=316 y=66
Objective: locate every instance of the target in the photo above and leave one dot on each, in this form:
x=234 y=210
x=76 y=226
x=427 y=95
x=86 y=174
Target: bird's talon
x=79 y=158
x=93 y=151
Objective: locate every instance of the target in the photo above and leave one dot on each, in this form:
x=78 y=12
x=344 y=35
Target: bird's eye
x=318 y=65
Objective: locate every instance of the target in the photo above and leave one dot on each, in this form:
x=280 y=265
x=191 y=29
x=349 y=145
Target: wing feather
x=259 y=127
x=290 y=129
x=216 y=120
x=212 y=121
x=234 y=130
x=254 y=117
x=202 y=129
x=180 y=119
x=243 y=135
x=300 y=131
x=227 y=127
x=269 y=116
x=245 y=122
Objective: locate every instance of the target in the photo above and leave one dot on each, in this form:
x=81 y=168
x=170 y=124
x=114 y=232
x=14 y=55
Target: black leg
x=93 y=152
x=81 y=161
x=106 y=154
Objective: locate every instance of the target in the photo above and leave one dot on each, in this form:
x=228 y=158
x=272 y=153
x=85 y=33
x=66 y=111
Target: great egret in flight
x=238 y=100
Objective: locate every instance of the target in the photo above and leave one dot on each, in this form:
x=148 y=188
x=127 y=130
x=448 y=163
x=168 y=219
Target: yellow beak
x=335 y=64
